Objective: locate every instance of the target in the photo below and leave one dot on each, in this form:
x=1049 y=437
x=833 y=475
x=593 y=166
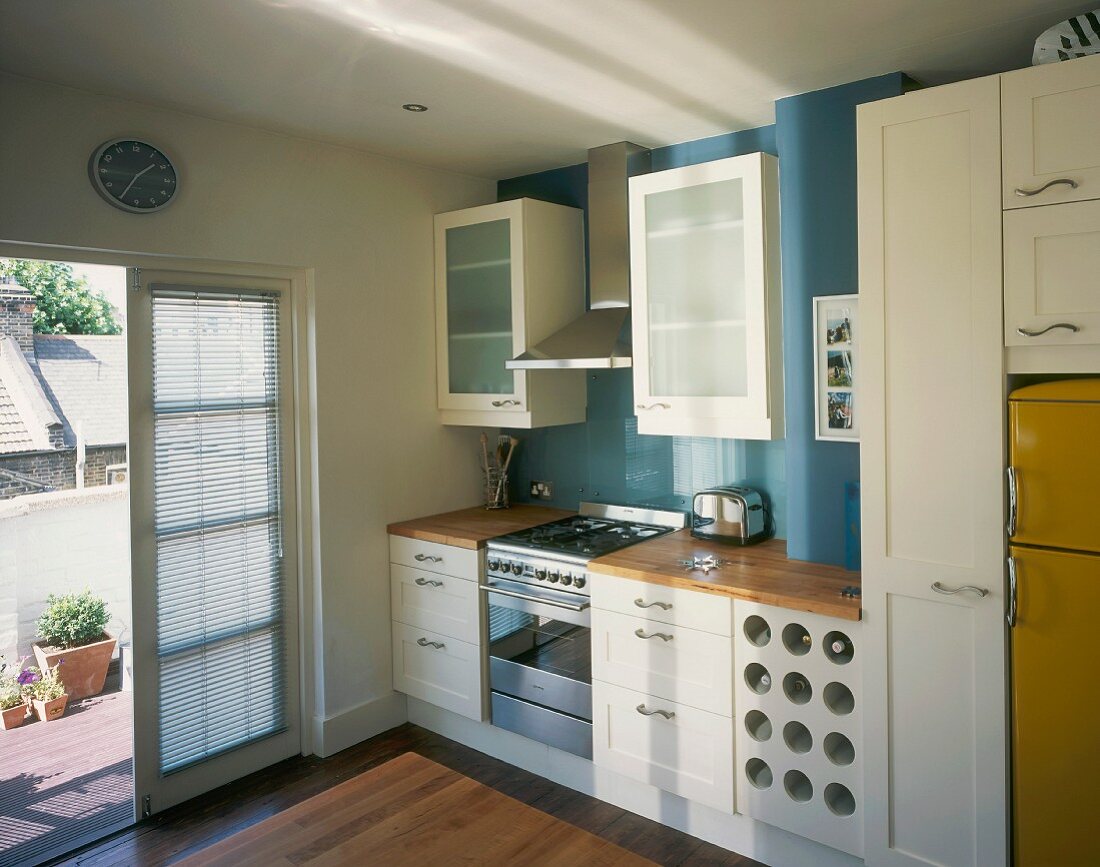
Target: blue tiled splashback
x=606 y=459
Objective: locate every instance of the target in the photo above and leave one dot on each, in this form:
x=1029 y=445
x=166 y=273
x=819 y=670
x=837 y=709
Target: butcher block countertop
x=760 y=573
x=472 y=528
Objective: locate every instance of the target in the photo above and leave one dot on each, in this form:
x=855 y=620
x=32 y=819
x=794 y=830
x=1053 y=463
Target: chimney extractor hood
x=601 y=337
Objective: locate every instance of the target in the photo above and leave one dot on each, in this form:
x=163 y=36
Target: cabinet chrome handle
x=1028 y=332
x=664 y=636
x=644 y=711
x=1013 y=501
x=1013 y=585
x=664 y=606
x=420 y=558
x=966 y=588
x=423 y=642
x=505 y=403
x=658 y=405
x=428 y=582
x=1072 y=184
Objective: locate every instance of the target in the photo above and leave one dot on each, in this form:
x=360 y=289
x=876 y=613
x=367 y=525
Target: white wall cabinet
x=706 y=299
x=1051 y=122
x=507 y=275
x=438 y=630
x=931 y=466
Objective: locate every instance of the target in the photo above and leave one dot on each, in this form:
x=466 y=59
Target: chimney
x=17 y=315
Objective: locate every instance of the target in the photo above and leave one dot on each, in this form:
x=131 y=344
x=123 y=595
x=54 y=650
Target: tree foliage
x=66 y=303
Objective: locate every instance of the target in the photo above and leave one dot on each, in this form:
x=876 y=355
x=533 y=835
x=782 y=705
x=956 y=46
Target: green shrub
x=73 y=620
x=43 y=686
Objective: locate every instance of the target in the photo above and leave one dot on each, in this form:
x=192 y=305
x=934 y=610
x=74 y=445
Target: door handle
x=1028 y=332
x=644 y=711
x=1069 y=182
x=981 y=592
x=420 y=558
x=1013 y=589
x=423 y=642
x=658 y=405
x=1013 y=501
x=664 y=606
x=664 y=636
x=505 y=403
x=428 y=582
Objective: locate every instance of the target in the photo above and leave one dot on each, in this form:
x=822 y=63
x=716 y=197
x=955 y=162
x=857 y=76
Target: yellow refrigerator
x=1054 y=600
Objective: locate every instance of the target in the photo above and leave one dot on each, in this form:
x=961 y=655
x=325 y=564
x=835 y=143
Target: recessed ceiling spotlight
x=414 y=106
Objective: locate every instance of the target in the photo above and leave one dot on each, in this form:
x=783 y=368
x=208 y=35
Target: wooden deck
x=64 y=782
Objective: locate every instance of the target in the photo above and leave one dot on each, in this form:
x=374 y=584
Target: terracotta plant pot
x=13 y=717
x=48 y=711
x=84 y=669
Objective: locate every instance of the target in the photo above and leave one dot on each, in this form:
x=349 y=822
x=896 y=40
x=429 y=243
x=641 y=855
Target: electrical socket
x=542 y=490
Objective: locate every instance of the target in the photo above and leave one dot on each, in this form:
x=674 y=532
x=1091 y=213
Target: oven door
x=540 y=664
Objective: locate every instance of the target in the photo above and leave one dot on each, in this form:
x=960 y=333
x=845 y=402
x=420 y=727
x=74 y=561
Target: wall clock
x=133 y=175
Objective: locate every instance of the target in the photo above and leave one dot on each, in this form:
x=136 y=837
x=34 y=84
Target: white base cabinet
x=672 y=746
x=438 y=630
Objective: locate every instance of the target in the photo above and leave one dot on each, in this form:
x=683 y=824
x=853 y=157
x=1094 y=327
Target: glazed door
x=214 y=529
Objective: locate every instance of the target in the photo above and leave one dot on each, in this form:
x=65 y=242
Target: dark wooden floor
x=190 y=827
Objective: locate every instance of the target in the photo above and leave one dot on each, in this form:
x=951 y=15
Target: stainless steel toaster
x=730 y=513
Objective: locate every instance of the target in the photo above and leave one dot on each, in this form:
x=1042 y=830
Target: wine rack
x=798 y=723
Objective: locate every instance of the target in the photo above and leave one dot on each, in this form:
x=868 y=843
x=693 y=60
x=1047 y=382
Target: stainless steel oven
x=540 y=663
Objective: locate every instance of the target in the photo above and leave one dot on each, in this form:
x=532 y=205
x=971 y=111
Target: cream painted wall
x=364 y=224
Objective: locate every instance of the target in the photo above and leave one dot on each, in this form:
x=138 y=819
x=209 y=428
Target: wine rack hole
x=839 y=699
x=758 y=773
x=797 y=737
x=758 y=725
x=839 y=799
x=798 y=786
x=796 y=639
x=797 y=688
x=838 y=647
x=757 y=630
x=838 y=749
x=757 y=678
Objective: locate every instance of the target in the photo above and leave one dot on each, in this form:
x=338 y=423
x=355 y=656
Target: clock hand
x=134 y=179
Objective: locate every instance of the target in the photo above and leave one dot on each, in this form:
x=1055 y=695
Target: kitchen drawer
x=441 y=603
x=438 y=669
x=689 y=753
x=675 y=663
x=692 y=608
x=433 y=557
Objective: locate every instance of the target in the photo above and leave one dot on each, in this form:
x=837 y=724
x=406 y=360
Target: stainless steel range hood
x=601 y=337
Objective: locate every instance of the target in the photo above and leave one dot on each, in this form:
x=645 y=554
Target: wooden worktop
x=472 y=528
x=760 y=573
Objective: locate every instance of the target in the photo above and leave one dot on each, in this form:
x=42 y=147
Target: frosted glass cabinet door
x=479 y=307
x=701 y=301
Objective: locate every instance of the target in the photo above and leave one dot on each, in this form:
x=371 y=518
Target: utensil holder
x=496 y=489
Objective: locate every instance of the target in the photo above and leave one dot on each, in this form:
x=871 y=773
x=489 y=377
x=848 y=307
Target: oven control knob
x=555 y=577
x=493 y=565
x=540 y=574
x=567 y=579
x=517 y=568
x=579 y=581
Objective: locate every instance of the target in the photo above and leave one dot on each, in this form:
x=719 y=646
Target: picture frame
x=836 y=368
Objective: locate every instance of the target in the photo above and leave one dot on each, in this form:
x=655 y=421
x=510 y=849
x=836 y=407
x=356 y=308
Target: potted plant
x=73 y=626
x=13 y=705
x=46 y=692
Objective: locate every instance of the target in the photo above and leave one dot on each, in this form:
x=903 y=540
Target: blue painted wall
x=605 y=458
x=816 y=134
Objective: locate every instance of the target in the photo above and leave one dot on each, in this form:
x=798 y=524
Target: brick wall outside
x=57 y=468
x=16 y=313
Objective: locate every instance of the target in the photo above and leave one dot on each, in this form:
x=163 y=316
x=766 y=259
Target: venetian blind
x=219 y=587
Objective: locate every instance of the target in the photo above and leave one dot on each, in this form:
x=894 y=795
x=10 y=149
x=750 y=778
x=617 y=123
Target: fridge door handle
x=1013 y=501
x=1013 y=585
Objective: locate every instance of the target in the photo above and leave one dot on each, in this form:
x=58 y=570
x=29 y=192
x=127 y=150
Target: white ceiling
x=513 y=85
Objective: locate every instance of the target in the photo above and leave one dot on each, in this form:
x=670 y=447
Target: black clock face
x=133 y=175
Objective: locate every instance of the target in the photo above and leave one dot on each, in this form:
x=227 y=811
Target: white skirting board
x=736 y=833
x=347 y=728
